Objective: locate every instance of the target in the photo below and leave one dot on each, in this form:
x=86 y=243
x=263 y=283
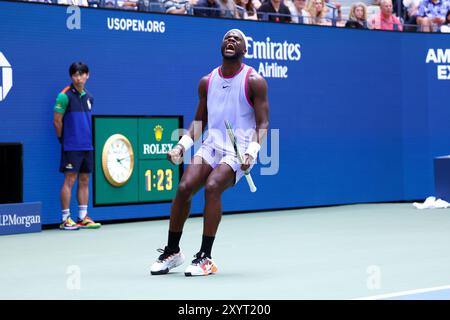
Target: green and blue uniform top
x=77 y=123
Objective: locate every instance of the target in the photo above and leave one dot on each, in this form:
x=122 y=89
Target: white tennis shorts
x=214 y=157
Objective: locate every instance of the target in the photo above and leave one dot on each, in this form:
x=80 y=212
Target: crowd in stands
x=396 y=15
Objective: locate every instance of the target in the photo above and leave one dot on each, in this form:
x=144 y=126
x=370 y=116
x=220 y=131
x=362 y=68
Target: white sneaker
x=201 y=266
x=166 y=261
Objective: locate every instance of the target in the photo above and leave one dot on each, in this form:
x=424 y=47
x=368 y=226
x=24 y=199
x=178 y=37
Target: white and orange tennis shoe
x=166 y=261
x=201 y=266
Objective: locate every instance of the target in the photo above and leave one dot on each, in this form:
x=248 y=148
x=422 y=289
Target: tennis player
x=232 y=92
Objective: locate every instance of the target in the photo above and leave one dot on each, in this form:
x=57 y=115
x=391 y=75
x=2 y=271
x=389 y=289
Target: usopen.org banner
x=20 y=218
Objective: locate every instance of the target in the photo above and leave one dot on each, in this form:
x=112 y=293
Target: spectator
x=207 y=8
x=275 y=11
x=109 y=4
x=151 y=6
x=358 y=14
x=246 y=9
x=228 y=9
x=127 y=4
x=410 y=17
x=179 y=6
x=256 y=4
x=80 y=3
x=335 y=14
x=94 y=3
x=398 y=8
x=353 y=24
x=298 y=11
x=431 y=14
x=385 y=20
x=318 y=12
x=445 y=28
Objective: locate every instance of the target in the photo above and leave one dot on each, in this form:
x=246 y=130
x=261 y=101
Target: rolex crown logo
x=158 y=132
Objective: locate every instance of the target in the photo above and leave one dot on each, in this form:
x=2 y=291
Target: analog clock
x=117 y=160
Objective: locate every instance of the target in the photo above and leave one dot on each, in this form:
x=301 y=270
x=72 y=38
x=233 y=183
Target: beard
x=236 y=56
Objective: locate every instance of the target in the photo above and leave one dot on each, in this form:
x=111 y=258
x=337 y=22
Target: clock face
x=117 y=160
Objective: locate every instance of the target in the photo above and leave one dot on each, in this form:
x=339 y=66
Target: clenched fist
x=247 y=161
x=176 y=154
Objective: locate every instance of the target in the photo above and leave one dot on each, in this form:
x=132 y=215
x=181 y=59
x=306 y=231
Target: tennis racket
x=247 y=174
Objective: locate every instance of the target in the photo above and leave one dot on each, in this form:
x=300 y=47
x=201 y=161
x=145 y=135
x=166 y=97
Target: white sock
x=82 y=212
x=65 y=214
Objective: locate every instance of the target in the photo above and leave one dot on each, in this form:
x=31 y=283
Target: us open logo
x=6 y=77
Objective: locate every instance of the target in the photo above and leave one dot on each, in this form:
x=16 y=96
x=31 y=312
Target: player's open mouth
x=229 y=48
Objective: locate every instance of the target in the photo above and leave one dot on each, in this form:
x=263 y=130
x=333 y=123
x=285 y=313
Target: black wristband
x=60 y=139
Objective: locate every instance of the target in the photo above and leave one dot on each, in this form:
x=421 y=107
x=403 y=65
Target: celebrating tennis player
x=236 y=94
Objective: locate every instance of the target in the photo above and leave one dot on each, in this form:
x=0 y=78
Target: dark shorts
x=77 y=161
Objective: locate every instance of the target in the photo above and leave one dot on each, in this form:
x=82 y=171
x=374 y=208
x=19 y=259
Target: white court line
x=403 y=293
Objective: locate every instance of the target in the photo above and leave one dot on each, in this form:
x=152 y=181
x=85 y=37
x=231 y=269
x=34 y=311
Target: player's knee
x=212 y=187
x=185 y=190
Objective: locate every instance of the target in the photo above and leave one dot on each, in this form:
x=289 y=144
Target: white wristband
x=186 y=141
x=253 y=149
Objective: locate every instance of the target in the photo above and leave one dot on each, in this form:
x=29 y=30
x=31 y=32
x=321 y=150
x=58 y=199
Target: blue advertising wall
x=360 y=114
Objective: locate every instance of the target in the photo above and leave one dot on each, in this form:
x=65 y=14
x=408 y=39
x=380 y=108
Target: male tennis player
x=234 y=92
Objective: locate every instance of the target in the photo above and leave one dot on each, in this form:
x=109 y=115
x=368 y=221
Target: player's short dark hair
x=78 y=67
